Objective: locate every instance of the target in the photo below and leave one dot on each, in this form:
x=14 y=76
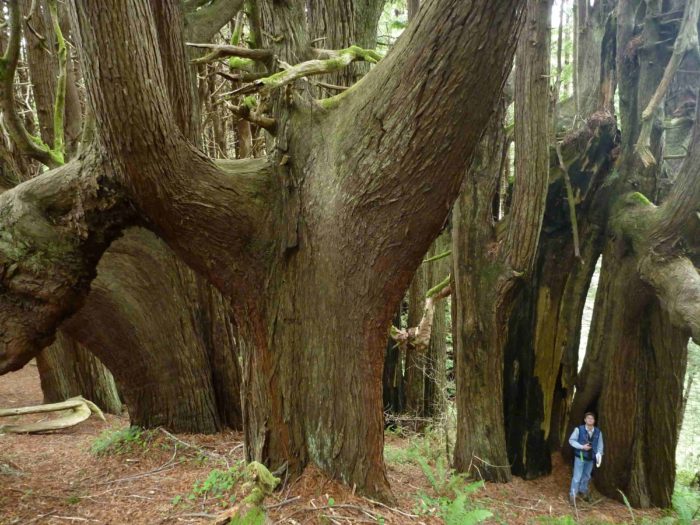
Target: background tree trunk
x=66 y=369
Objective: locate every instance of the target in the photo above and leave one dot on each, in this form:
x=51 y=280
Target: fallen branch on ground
x=80 y=409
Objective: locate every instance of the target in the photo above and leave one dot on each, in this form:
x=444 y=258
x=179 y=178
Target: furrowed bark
x=482 y=308
x=54 y=229
x=171 y=353
x=67 y=369
x=544 y=331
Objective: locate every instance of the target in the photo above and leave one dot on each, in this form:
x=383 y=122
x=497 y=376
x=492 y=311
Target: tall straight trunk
x=424 y=372
x=66 y=369
x=489 y=268
x=436 y=363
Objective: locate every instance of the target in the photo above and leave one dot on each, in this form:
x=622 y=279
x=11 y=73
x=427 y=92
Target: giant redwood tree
x=336 y=218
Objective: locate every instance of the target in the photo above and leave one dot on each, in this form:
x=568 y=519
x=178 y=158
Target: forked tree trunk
x=294 y=241
x=544 y=332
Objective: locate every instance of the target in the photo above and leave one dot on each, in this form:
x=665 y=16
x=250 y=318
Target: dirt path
x=56 y=479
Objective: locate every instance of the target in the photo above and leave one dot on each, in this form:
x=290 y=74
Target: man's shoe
x=572 y=500
x=587 y=497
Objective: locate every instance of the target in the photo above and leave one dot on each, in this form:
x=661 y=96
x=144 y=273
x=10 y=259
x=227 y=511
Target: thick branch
x=677 y=285
x=202 y=23
x=223 y=51
x=331 y=61
x=246 y=113
x=686 y=42
x=233 y=208
x=53 y=231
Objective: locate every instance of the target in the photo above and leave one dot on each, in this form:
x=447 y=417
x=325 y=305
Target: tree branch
x=223 y=51
x=686 y=42
x=246 y=113
x=331 y=61
x=202 y=22
x=60 y=100
x=53 y=231
x=31 y=146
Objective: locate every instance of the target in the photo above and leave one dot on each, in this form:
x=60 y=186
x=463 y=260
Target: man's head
x=589 y=419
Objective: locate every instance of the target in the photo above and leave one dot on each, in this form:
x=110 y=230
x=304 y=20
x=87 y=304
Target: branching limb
x=686 y=42
x=218 y=52
x=60 y=101
x=53 y=231
x=248 y=114
x=202 y=22
x=419 y=336
x=31 y=146
x=572 y=203
x=677 y=285
x=331 y=61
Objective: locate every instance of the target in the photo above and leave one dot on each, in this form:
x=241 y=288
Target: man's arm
x=573 y=440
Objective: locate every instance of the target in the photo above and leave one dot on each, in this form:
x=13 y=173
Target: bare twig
x=572 y=203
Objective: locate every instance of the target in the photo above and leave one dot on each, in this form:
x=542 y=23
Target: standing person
x=587 y=441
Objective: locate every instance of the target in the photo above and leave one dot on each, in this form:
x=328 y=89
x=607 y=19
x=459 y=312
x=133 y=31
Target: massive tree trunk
x=490 y=260
x=180 y=343
x=647 y=301
x=167 y=340
x=542 y=349
x=290 y=259
x=67 y=369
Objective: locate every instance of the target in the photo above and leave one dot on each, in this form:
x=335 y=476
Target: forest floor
x=152 y=478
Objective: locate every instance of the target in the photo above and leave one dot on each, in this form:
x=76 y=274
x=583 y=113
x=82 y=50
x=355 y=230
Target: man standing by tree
x=587 y=440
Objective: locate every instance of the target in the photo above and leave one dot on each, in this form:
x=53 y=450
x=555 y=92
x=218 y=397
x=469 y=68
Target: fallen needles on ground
x=407 y=514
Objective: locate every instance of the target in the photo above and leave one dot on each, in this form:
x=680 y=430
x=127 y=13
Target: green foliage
x=458 y=513
x=451 y=493
x=123 y=441
x=218 y=485
x=686 y=503
x=255 y=516
x=559 y=520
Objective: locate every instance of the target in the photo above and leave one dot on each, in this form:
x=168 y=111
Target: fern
x=686 y=503
x=456 y=512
